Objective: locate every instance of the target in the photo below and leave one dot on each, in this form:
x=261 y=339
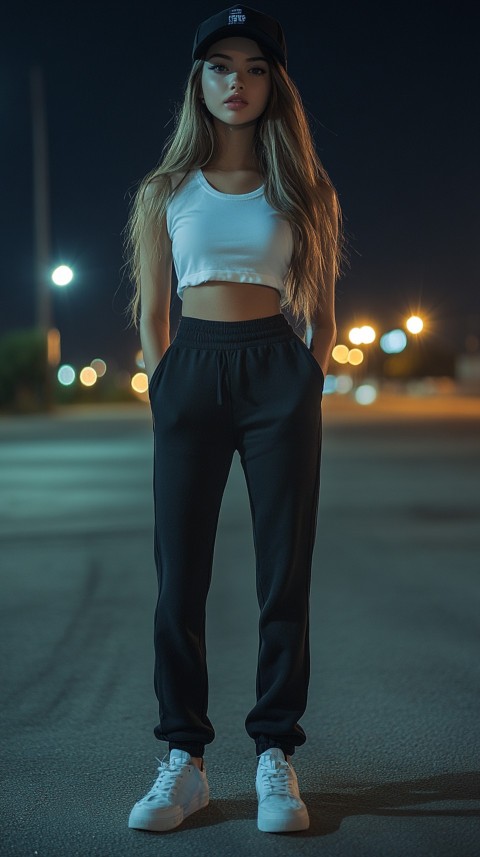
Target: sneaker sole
x=143 y=819
x=270 y=823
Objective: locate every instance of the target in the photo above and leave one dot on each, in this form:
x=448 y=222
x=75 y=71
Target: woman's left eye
x=255 y=68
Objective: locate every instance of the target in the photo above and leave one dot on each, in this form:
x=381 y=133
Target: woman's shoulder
x=159 y=182
x=177 y=177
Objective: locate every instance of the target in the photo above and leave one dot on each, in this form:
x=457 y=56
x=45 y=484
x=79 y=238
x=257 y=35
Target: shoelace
x=277 y=781
x=167 y=780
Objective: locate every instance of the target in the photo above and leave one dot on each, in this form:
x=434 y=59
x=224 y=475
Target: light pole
x=41 y=199
x=41 y=222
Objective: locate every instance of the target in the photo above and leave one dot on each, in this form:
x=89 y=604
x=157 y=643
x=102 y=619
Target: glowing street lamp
x=414 y=324
x=62 y=275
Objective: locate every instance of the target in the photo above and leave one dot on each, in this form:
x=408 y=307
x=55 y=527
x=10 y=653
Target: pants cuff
x=263 y=744
x=193 y=749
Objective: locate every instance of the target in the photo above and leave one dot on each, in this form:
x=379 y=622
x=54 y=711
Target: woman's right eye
x=254 y=68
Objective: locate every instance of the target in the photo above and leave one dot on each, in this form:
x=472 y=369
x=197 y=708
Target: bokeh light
x=62 y=276
x=340 y=353
x=368 y=334
x=99 y=365
x=393 y=341
x=362 y=335
x=66 y=375
x=139 y=382
x=414 y=324
x=53 y=346
x=329 y=385
x=88 y=376
x=355 y=356
x=344 y=384
x=355 y=335
x=365 y=394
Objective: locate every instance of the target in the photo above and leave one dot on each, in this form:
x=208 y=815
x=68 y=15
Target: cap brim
x=247 y=32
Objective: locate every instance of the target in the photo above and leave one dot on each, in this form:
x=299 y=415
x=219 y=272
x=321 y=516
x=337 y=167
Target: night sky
x=391 y=92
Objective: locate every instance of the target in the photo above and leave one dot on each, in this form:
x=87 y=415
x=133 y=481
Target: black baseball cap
x=241 y=21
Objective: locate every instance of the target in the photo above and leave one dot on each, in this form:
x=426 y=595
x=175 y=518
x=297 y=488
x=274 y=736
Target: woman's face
x=222 y=77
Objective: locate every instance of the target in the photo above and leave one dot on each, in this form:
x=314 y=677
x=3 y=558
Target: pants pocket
x=158 y=368
x=311 y=359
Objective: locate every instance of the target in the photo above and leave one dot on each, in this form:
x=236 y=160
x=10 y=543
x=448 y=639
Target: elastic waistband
x=232 y=334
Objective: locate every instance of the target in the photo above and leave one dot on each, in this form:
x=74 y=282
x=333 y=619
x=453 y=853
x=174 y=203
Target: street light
x=62 y=275
x=41 y=224
x=414 y=324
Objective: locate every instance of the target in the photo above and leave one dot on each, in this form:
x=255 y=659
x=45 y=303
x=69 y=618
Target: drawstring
x=221 y=366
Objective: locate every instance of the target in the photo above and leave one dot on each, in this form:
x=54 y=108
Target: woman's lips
x=235 y=105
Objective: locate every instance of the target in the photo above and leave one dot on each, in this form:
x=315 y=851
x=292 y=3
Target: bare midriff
x=230 y=301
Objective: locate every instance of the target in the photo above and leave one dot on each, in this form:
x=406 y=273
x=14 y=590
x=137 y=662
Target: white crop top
x=226 y=236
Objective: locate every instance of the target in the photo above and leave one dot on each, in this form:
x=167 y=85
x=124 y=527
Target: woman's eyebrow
x=225 y=57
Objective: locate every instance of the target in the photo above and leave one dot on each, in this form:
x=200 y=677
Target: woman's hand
x=323 y=341
x=155 y=339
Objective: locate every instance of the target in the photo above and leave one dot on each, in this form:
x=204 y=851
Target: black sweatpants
x=221 y=386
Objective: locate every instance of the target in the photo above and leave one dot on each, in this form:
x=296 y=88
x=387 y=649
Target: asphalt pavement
x=391 y=765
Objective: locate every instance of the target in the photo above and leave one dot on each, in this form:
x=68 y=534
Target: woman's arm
x=324 y=339
x=324 y=326
x=155 y=339
x=155 y=291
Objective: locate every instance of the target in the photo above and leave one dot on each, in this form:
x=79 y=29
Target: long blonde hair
x=296 y=184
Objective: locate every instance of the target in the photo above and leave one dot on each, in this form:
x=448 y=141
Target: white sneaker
x=180 y=789
x=280 y=807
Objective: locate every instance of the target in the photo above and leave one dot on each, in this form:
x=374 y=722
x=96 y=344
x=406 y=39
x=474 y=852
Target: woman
x=247 y=213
